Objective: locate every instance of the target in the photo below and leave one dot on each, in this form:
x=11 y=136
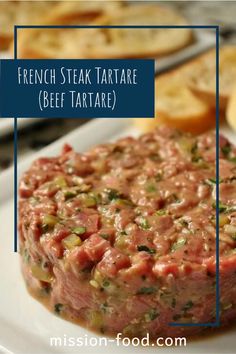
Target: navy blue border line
x=15 y=185
x=217 y=179
x=216 y=28
x=118 y=26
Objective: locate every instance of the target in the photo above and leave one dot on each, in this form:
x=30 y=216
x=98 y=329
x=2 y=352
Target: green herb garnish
x=158 y=177
x=178 y=244
x=226 y=149
x=161 y=212
x=146 y=249
x=144 y=224
x=146 y=290
x=152 y=314
x=222 y=207
x=194 y=148
x=183 y=222
x=58 y=308
x=173 y=302
x=188 y=305
x=106 y=283
x=232 y=159
x=151 y=188
x=112 y=194
x=105 y=236
x=212 y=181
x=70 y=194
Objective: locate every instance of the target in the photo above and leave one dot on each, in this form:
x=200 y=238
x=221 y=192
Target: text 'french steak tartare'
x=123 y=237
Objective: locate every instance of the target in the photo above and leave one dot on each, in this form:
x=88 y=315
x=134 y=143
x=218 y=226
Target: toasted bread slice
x=178 y=107
x=20 y=13
x=231 y=109
x=76 y=12
x=112 y=43
x=202 y=79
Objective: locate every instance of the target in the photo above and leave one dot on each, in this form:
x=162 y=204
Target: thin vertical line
x=15 y=42
x=15 y=157
x=217 y=184
x=15 y=185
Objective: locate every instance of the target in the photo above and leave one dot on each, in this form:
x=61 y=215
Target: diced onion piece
x=94 y=283
x=230 y=229
x=50 y=220
x=95 y=319
x=41 y=274
x=88 y=200
x=223 y=220
x=71 y=241
x=60 y=181
x=79 y=230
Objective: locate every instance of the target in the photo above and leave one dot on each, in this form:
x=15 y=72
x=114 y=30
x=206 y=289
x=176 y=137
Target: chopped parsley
x=106 y=283
x=112 y=194
x=226 y=149
x=58 y=308
x=151 y=188
x=173 y=198
x=232 y=159
x=146 y=249
x=188 y=305
x=178 y=244
x=222 y=207
x=183 y=222
x=194 y=148
x=176 y=317
x=104 y=307
x=152 y=315
x=105 y=236
x=158 y=177
x=196 y=158
x=144 y=224
x=70 y=194
x=146 y=290
x=212 y=181
x=161 y=212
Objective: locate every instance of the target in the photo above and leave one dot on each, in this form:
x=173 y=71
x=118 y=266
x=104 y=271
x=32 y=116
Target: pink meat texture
x=123 y=238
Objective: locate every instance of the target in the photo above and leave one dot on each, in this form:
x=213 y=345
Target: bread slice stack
x=79 y=12
x=186 y=96
x=20 y=13
x=106 y=42
x=177 y=106
x=231 y=108
x=52 y=12
x=203 y=78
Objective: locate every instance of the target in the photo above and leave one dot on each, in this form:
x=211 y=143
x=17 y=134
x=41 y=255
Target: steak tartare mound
x=123 y=237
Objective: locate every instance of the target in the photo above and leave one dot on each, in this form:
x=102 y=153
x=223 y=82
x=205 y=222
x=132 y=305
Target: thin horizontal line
x=117 y=26
x=211 y=324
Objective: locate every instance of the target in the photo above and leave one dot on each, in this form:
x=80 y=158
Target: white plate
x=25 y=325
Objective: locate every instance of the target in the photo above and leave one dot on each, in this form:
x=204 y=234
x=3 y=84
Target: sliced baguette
x=112 y=43
x=178 y=107
x=202 y=80
x=76 y=12
x=231 y=109
x=20 y=13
